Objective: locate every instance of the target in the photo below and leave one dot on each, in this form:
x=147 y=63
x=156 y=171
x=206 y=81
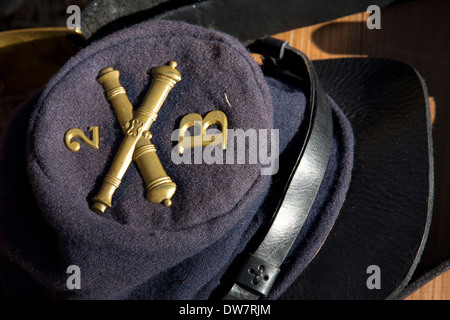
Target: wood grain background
x=416 y=33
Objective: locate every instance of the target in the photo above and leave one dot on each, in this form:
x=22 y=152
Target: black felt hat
x=344 y=213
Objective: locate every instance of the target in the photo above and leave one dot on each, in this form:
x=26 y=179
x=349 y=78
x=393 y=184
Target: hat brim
x=386 y=216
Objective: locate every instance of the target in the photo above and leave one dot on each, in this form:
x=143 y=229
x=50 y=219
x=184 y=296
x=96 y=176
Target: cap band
x=293 y=209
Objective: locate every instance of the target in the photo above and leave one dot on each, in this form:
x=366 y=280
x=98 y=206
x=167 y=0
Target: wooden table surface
x=416 y=33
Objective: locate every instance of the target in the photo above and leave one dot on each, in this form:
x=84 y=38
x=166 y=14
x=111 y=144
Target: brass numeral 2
x=77 y=133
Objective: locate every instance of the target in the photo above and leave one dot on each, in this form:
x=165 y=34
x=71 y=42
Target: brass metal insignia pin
x=160 y=188
x=164 y=79
x=195 y=119
x=78 y=133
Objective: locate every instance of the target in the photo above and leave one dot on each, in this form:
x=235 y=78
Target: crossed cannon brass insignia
x=136 y=144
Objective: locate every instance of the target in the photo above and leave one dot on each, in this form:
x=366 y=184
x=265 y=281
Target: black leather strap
x=247 y=20
x=258 y=273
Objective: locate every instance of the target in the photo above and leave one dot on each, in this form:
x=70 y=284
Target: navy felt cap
x=138 y=249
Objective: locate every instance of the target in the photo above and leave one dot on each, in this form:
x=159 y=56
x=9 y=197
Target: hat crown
x=217 y=74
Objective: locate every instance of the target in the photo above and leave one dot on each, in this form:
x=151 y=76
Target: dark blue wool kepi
x=137 y=249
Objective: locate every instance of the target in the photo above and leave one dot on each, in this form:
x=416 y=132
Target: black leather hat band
x=258 y=273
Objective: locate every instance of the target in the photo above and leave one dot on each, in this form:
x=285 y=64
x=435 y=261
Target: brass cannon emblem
x=136 y=144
